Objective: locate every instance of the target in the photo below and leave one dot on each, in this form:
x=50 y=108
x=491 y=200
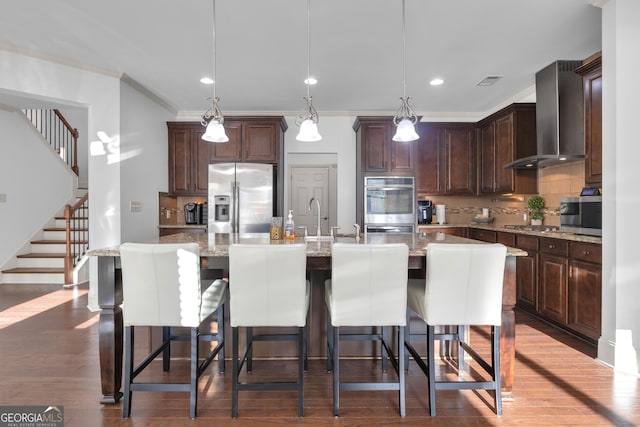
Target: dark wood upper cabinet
x=430 y=161
x=251 y=139
x=460 y=160
x=446 y=159
x=591 y=72
x=505 y=136
x=379 y=154
x=180 y=155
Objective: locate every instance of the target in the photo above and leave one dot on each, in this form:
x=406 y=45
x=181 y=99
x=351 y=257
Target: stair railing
x=58 y=132
x=77 y=235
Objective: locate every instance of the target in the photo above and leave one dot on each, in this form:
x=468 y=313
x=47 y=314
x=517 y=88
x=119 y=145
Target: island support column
x=110 y=329
x=508 y=329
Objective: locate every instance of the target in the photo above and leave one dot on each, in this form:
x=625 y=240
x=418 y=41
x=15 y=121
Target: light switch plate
x=3 y=198
x=135 y=206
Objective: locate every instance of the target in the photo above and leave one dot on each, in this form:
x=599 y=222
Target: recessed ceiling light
x=310 y=81
x=436 y=82
x=206 y=80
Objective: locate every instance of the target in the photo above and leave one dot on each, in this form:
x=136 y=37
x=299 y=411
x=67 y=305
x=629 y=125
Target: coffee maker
x=192 y=213
x=425 y=211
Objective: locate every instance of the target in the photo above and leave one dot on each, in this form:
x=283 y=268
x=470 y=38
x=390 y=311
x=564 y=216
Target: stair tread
x=41 y=255
x=77 y=217
x=56 y=242
x=34 y=270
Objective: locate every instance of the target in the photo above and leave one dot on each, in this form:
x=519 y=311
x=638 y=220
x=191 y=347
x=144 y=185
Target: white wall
x=30 y=170
x=338 y=141
x=143 y=162
x=619 y=344
x=100 y=93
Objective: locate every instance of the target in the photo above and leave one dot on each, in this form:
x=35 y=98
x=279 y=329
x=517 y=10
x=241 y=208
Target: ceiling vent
x=489 y=80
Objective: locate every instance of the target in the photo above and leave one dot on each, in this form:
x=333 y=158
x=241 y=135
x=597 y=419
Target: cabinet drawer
x=507 y=239
x=554 y=246
x=586 y=252
x=527 y=243
x=484 y=235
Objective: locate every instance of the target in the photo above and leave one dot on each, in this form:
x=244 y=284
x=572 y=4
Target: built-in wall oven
x=389 y=204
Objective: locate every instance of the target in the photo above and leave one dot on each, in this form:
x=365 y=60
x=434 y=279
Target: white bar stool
x=368 y=287
x=268 y=287
x=463 y=286
x=161 y=286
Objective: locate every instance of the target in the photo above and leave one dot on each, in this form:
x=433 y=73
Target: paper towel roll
x=440 y=214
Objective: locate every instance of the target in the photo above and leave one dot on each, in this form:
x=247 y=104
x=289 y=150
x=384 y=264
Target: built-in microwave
x=581 y=215
x=389 y=200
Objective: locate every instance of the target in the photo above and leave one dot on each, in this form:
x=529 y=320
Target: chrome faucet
x=318 y=231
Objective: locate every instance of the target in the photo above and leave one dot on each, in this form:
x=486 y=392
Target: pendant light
x=307 y=120
x=405 y=118
x=213 y=118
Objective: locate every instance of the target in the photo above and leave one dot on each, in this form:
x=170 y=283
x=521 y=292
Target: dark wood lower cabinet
x=552 y=291
x=560 y=281
x=483 y=235
x=585 y=298
x=527 y=277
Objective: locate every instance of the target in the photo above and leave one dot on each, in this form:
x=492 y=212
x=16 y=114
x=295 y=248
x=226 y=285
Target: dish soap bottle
x=289 y=228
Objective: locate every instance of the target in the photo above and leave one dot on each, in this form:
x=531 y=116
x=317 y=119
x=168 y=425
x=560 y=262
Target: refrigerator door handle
x=235 y=226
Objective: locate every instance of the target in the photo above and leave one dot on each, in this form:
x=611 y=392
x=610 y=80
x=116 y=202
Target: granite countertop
x=217 y=244
x=542 y=232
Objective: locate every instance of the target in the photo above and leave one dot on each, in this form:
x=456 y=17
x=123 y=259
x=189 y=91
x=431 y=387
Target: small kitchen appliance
x=425 y=211
x=192 y=213
x=581 y=215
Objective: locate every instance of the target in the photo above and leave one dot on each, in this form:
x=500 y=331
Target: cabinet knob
x=586 y=252
x=552 y=246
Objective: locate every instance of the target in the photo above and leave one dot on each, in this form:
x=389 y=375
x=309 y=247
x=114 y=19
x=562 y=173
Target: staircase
x=45 y=263
x=62 y=244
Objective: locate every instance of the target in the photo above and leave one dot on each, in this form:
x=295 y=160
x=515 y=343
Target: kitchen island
x=214 y=253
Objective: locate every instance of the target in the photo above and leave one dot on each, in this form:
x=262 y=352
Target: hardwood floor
x=49 y=356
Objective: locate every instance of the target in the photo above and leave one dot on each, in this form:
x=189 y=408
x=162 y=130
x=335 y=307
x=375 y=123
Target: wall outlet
x=135 y=206
x=3 y=198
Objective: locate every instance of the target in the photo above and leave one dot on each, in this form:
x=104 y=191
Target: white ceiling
x=356 y=49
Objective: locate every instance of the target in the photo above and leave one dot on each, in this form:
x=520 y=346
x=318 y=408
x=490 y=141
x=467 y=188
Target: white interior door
x=305 y=183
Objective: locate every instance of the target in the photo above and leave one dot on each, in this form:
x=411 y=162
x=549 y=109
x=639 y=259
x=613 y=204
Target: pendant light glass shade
x=308 y=132
x=405 y=119
x=213 y=118
x=307 y=120
x=405 y=131
x=215 y=132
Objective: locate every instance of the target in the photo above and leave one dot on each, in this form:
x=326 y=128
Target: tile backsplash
x=554 y=182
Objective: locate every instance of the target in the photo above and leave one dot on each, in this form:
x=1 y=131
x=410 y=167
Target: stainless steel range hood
x=559 y=117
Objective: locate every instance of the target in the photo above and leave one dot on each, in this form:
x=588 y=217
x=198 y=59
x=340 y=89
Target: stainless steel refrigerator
x=241 y=197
